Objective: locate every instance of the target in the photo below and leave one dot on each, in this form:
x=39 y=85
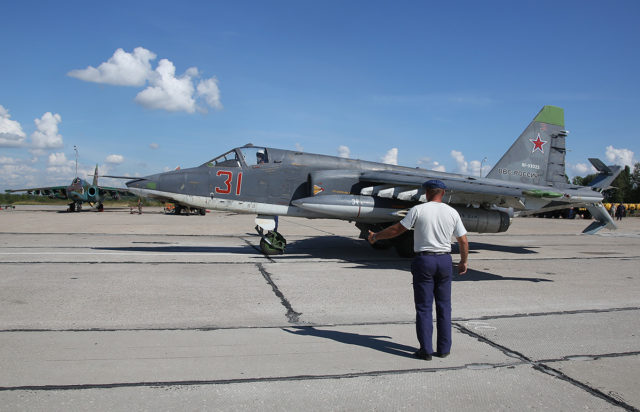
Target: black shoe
x=422 y=354
x=441 y=355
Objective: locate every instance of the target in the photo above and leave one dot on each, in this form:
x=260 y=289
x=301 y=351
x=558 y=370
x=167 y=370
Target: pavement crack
x=292 y=315
x=564 y=312
x=541 y=366
x=161 y=384
x=593 y=391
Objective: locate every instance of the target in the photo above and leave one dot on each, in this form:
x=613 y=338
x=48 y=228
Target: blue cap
x=434 y=184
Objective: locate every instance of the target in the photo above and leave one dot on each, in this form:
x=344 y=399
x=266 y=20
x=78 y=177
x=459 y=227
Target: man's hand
x=372 y=237
x=463 y=243
x=462 y=268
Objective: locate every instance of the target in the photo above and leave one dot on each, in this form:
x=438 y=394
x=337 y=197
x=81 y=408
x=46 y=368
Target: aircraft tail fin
x=95 y=176
x=606 y=174
x=538 y=155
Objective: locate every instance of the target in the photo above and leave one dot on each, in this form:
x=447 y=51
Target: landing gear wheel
x=100 y=207
x=72 y=207
x=273 y=243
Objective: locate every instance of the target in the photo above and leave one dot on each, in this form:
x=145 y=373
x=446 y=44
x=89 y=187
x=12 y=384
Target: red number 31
x=227 y=182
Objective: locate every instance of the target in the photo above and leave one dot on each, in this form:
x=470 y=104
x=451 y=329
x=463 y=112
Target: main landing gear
x=403 y=244
x=75 y=207
x=272 y=242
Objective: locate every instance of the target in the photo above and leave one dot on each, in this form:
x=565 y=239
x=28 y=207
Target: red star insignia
x=537 y=144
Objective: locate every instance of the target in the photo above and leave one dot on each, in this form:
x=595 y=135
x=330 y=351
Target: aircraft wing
x=51 y=191
x=115 y=192
x=461 y=189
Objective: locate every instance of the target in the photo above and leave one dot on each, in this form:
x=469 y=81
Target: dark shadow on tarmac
x=476 y=246
x=363 y=256
x=338 y=246
x=241 y=250
x=354 y=251
x=378 y=343
x=477 y=276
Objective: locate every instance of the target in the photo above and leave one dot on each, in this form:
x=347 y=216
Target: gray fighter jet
x=268 y=182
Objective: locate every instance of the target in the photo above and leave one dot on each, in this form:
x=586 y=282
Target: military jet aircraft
x=270 y=182
x=79 y=192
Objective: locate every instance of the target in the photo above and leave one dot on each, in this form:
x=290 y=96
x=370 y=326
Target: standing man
x=620 y=211
x=434 y=223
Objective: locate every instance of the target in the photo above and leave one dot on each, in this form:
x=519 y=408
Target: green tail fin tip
x=551 y=115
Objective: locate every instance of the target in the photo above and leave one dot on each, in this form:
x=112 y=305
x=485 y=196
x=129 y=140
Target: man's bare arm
x=463 y=243
x=388 y=233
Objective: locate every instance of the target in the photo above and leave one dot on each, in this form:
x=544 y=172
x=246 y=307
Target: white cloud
x=122 y=69
x=209 y=90
x=167 y=91
x=11 y=134
x=391 y=157
x=154 y=146
x=47 y=137
x=344 y=151
x=472 y=167
x=164 y=91
x=623 y=157
x=58 y=164
x=438 y=167
x=114 y=159
x=8 y=160
x=581 y=169
x=16 y=176
x=57 y=159
x=462 y=164
x=427 y=163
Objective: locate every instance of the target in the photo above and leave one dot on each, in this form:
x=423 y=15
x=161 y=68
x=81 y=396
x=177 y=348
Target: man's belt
x=432 y=253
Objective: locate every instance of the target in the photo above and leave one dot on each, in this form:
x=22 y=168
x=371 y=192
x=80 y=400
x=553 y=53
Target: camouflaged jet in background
x=268 y=182
x=79 y=191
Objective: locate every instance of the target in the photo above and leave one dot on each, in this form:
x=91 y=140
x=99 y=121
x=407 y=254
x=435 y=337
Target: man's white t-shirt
x=433 y=224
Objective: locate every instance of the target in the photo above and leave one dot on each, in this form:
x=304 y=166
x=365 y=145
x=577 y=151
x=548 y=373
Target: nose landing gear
x=271 y=243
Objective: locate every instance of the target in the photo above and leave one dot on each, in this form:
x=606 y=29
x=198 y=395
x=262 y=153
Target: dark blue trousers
x=432 y=279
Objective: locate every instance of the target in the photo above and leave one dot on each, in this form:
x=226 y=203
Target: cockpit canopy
x=249 y=155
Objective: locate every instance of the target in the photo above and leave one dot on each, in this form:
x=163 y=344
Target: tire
x=275 y=245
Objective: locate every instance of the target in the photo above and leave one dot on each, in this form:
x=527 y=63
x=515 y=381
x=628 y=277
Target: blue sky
x=440 y=85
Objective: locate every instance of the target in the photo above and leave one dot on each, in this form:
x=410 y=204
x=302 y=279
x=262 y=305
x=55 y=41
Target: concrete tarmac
x=119 y=311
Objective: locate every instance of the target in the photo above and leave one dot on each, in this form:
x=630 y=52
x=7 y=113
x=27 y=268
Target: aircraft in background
x=79 y=191
x=269 y=182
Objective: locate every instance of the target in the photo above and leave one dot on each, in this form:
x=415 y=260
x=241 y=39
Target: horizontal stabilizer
x=602 y=219
x=606 y=174
x=599 y=165
x=122 y=177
